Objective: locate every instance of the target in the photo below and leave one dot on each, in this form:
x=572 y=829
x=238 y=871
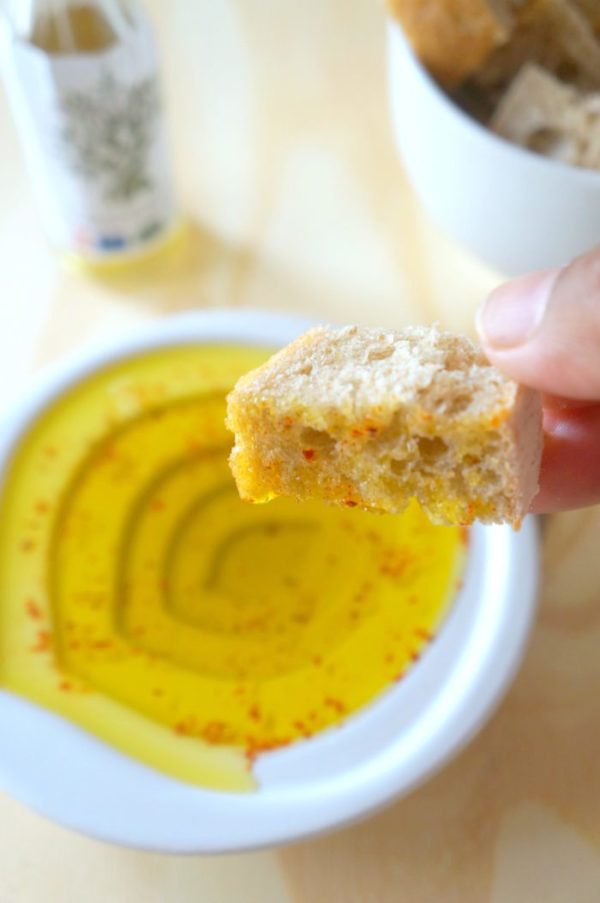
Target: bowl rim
x=155 y=812
x=398 y=43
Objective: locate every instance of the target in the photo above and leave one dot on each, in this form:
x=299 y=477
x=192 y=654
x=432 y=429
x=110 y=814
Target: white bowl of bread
x=397 y=741
x=496 y=113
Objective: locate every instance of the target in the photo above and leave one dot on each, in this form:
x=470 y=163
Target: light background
x=285 y=163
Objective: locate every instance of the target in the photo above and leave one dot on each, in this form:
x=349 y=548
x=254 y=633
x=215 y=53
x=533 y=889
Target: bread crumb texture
x=372 y=418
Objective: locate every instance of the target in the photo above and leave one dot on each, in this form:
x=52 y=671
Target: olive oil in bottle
x=82 y=78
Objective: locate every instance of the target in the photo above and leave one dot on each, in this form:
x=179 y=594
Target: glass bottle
x=83 y=83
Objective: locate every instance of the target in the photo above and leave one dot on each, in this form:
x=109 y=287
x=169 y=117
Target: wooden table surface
x=286 y=166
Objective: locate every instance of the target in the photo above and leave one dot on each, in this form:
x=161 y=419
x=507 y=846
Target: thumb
x=543 y=329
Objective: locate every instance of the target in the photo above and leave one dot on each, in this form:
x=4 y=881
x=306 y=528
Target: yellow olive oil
x=72 y=29
x=143 y=601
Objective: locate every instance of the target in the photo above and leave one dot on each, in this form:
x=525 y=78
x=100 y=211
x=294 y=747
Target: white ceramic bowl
x=515 y=209
x=347 y=772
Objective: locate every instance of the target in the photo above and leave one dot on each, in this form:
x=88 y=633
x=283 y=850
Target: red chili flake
x=335 y=704
x=349 y=503
x=65 y=686
x=396 y=565
x=308 y=453
x=390 y=657
x=157 y=505
x=255 y=747
x=140 y=630
x=415 y=656
x=74 y=645
x=423 y=634
x=357 y=432
x=254 y=713
x=288 y=422
x=33 y=609
x=317 y=660
x=42 y=644
x=180 y=728
x=252 y=624
x=42 y=507
x=372 y=430
x=213 y=731
x=50 y=451
x=464 y=535
x=101 y=644
x=158 y=691
x=27 y=545
x=303 y=729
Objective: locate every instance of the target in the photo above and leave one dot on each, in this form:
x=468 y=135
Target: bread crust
x=553 y=34
x=372 y=418
x=453 y=38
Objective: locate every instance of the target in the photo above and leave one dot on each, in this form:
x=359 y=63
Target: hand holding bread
x=372 y=418
x=543 y=329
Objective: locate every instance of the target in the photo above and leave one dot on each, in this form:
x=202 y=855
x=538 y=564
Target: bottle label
x=93 y=136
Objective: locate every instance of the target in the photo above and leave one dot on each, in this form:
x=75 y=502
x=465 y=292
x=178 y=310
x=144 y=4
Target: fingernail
x=514 y=311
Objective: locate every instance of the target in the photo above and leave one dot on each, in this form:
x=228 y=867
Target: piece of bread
x=552 y=33
x=453 y=37
x=591 y=10
x=371 y=417
x=541 y=113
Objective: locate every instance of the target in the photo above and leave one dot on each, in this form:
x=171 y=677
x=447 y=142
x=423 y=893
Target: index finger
x=570 y=473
